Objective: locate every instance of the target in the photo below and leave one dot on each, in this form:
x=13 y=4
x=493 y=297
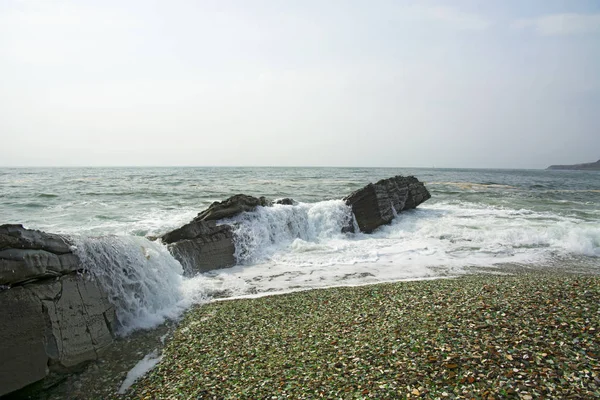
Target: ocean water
x=481 y=218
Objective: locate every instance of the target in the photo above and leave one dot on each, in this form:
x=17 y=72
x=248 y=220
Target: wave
x=142 y=279
x=492 y=230
x=473 y=185
x=263 y=232
x=286 y=248
x=438 y=234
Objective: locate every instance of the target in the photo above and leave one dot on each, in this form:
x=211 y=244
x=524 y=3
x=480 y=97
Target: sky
x=378 y=83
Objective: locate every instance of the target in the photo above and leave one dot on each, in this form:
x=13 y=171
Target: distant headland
x=593 y=166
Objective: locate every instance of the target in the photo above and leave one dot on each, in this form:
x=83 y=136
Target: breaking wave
x=285 y=248
x=142 y=279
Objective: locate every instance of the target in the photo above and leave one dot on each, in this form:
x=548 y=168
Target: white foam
x=140 y=369
x=141 y=278
x=264 y=232
x=288 y=248
x=421 y=243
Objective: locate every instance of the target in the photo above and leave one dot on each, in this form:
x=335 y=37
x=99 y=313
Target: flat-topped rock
x=27 y=255
x=16 y=237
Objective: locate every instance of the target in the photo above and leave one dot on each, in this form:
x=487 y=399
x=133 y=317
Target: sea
x=476 y=218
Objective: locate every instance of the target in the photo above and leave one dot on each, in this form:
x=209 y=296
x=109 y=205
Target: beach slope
x=484 y=336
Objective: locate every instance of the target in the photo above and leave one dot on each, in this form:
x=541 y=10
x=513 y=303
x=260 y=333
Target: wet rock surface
x=54 y=318
x=286 y=201
x=102 y=378
x=27 y=255
x=377 y=203
x=201 y=246
x=231 y=207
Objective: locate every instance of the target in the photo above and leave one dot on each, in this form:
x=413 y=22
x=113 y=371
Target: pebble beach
x=529 y=334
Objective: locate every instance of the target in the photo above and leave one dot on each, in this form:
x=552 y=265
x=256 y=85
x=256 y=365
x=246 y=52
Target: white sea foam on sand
x=140 y=369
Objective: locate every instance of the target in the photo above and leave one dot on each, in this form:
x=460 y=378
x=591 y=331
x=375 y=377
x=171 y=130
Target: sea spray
x=261 y=233
x=142 y=279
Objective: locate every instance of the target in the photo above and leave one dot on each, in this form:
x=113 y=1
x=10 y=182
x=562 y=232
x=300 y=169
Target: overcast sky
x=499 y=84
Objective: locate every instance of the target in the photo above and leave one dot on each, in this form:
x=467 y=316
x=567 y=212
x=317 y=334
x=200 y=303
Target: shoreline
x=102 y=378
x=479 y=335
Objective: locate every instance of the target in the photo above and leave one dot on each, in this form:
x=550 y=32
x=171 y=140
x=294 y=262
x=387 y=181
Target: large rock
x=53 y=319
x=201 y=246
x=18 y=266
x=27 y=255
x=22 y=340
x=231 y=207
x=286 y=201
x=378 y=203
x=417 y=192
x=51 y=326
x=16 y=237
x=79 y=317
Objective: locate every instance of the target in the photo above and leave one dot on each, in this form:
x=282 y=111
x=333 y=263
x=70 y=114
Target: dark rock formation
x=231 y=207
x=417 y=192
x=201 y=246
x=16 y=237
x=27 y=255
x=377 y=203
x=593 y=166
x=286 y=201
x=19 y=266
x=53 y=318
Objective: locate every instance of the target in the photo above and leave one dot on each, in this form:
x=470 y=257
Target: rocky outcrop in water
x=593 y=166
x=54 y=318
x=231 y=207
x=286 y=201
x=27 y=255
x=201 y=246
x=377 y=203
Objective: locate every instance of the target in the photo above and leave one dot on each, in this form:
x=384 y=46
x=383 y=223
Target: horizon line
x=259 y=166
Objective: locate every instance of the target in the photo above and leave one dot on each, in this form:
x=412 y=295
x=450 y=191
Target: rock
x=231 y=207
x=201 y=246
x=286 y=201
x=17 y=237
x=79 y=319
x=417 y=192
x=377 y=203
x=53 y=319
x=18 y=266
x=191 y=231
x=51 y=327
x=22 y=340
x=27 y=254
